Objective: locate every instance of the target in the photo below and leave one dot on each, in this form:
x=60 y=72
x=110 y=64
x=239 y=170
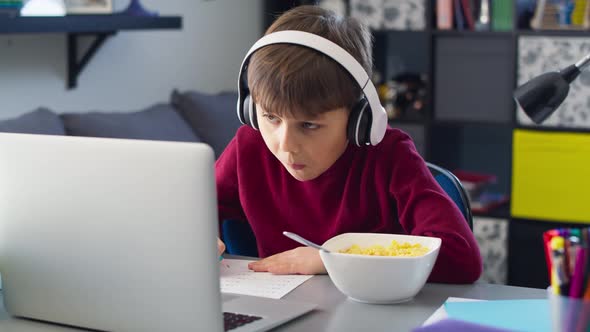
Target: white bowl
x=378 y=279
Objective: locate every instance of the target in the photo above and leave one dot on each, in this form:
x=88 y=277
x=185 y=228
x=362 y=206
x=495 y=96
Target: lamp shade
x=542 y=95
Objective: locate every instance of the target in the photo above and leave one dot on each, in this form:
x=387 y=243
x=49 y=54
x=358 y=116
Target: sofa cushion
x=212 y=116
x=40 y=121
x=158 y=122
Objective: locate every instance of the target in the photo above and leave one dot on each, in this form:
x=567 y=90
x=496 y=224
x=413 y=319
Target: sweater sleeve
x=226 y=178
x=424 y=209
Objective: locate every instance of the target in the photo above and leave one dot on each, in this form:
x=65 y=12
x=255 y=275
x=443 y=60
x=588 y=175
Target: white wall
x=133 y=69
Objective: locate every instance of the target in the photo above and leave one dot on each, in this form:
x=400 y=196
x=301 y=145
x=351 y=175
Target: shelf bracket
x=76 y=66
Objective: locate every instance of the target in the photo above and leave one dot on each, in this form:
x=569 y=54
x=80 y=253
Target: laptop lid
x=109 y=234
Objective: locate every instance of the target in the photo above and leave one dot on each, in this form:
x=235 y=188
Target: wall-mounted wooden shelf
x=76 y=26
x=87 y=23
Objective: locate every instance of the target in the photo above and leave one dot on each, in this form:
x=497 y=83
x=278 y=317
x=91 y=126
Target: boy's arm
x=425 y=209
x=226 y=178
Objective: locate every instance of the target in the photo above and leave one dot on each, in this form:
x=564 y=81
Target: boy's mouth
x=297 y=167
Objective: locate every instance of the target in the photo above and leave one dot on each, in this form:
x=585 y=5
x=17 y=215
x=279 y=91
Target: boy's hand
x=220 y=247
x=302 y=260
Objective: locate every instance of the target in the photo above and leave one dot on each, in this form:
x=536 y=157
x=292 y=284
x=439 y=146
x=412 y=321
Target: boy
x=299 y=172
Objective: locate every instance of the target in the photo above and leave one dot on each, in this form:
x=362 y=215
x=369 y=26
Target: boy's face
x=307 y=147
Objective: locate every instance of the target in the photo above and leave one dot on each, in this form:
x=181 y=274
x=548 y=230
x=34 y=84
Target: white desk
x=337 y=313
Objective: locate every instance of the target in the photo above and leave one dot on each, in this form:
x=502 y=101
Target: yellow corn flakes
x=404 y=249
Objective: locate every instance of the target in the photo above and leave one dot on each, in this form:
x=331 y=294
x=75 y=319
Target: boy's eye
x=271 y=118
x=309 y=125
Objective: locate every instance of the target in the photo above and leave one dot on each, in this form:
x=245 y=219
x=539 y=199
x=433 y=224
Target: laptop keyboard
x=233 y=321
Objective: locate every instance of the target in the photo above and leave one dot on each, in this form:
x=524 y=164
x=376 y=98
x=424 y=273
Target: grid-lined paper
x=236 y=278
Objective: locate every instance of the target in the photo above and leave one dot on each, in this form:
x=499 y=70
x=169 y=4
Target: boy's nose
x=288 y=142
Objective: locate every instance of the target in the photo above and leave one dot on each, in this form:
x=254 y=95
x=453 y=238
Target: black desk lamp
x=541 y=96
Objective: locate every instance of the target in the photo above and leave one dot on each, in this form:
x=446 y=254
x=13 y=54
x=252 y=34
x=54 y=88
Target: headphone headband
x=336 y=53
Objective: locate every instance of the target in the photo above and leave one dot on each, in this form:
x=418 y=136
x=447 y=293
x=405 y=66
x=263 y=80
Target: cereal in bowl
x=404 y=249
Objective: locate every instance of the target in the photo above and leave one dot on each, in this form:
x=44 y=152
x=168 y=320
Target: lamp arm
x=583 y=63
x=571 y=72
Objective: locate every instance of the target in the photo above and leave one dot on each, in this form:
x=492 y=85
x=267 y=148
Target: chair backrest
x=240 y=240
x=453 y=187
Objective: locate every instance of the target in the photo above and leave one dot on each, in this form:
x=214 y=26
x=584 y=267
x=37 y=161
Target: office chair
x=453 y=187
x=240 y=240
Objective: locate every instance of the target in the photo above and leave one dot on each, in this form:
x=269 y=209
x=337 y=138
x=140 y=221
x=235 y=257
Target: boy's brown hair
x=297 y=80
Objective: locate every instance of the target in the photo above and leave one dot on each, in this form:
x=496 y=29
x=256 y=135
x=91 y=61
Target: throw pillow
x=212 y=116
x=158 y=122
x=41 y=121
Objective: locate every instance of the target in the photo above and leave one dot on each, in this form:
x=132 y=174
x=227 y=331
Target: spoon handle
x=303 y=241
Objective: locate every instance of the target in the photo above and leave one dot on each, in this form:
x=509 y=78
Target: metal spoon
x=304 y=241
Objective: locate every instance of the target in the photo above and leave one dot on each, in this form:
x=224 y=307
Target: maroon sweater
x=380 y=189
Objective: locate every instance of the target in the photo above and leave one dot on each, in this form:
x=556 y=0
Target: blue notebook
x=453 y=325
x=521 y=315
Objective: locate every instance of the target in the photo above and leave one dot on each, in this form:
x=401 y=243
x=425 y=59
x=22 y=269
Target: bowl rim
x=433 y=250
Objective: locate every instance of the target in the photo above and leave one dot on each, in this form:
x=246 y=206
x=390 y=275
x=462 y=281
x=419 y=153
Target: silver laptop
x=117 y=235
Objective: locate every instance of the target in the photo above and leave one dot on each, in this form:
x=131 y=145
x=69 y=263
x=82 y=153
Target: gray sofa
x=187 y=117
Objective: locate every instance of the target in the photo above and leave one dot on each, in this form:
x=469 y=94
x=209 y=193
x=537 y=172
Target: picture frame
x=89 y=6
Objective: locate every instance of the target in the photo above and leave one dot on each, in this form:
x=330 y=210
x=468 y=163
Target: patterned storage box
x=492 y=237
x=390 y=14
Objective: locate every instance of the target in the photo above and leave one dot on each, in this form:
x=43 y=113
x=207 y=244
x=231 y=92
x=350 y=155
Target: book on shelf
x=459 y=18
x=481 y=199
x=579 y=12
x=467 y=11
x=444 y=14
x=561 y=15
x=488 y=201
x=11 y=4
x=10 y=8
x=475 y=15
x=502 y=15
x=483 y=16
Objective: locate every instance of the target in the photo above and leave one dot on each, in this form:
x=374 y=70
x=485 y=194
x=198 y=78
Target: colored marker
x=559 y=278
x=573 y=243
x=547 y=236
x=576 y=289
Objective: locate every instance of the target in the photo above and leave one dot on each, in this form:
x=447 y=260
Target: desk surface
x=336 y=313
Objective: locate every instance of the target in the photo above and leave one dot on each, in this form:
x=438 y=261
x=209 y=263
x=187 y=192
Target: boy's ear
x=359 y=123
x=249 y=109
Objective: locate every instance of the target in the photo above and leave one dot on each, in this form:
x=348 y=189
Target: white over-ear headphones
x=367 y=122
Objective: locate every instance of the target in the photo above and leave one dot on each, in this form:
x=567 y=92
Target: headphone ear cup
x=359 y=123
x=249 y=112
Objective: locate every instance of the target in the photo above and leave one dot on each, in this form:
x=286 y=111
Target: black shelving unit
x=272 y=9
x=468 y=33
x=76 y=26
x=554 y=33
x=555 y=129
